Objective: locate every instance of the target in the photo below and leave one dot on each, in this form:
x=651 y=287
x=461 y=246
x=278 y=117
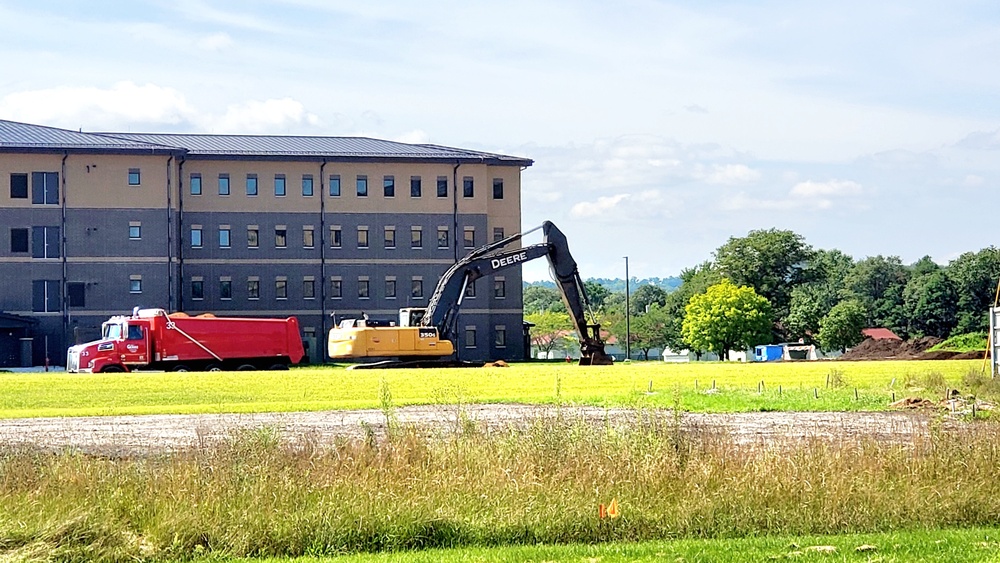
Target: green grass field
x=738 y=387
x=910 y=546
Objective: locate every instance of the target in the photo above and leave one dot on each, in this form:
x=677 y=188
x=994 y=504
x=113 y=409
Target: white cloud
x=123 y=106
x=415 y=137
x=215 y=42
x=602 y=206
x=834 y=188
x=974 y=180
x=727 y=174
x=264 y=117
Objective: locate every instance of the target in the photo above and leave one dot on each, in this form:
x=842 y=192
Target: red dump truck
x=152 y=339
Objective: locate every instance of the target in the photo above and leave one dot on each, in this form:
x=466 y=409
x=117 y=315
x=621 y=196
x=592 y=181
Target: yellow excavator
x=423 y=336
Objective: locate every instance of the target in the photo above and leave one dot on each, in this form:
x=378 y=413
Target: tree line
x=771 y=286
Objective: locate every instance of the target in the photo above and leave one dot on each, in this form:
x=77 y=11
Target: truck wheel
x=112 y=369
x=213 y=367
x=246 y=367
x=279 y=367
x=181 y=367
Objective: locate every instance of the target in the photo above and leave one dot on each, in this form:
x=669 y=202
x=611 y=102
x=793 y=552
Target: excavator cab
x=411 y=316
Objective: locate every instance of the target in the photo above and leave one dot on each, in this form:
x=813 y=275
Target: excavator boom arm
x=442 y=309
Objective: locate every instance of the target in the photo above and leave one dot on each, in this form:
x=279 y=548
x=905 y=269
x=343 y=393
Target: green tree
x=841 y=327
x=649 y=330
x=694 y=281
x=646 y=296
x=726 y=317
x=975 y=276
x=877 y=283
x=597 y=294
x=771 y=261
x=931 y=304
x=812 y=300
x=552 y=331
x=538 y=298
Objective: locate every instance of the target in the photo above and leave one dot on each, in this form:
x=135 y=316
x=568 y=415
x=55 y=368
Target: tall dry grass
x=259 y=495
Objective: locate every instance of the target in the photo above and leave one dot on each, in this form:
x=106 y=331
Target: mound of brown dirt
x=886 y=349
x=973 y=355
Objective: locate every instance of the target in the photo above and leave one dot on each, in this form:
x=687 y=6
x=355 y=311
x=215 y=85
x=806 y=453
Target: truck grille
x=73 y=361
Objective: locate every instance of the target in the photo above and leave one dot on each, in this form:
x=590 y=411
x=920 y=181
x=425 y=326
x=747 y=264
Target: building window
x=497 y=188
x=390 y=237
x=307 y=185
x=134 y=177
x=224 y=236
x=134 y=230
x=362 y=186
x=135 y=284
x=415 y=186
x=308 y=237
x=442 y=186
x=45 y=188
x=335 y=237
x=252 y=184
x=280 y=237
x=499 y=288
x=416 y=237
x=253 y=236
x=197 y=289
x=253 y=288
x=76 y=294
x=45 y=242
x=19 y=186
x=281 y=288
x=336 y=288
x=470 y=337
x=45 y=296
x=497 y=234
x=470 y=237
x=223 y=184
x=362 y=237
x=468 y=188
x=443 y=237
x=195 y=182
x=470 y=290
x=225 y=288
x=389 y=186
x=334 y=186
x=279 y=185
x=309 y=288
x=19 y=240
x=195 y=236
x=417 y=287
x=500 y=336
x=363 y=289
x=390 y=288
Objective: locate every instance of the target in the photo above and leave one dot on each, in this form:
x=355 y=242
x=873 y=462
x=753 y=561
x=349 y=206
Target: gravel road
x=151 y=434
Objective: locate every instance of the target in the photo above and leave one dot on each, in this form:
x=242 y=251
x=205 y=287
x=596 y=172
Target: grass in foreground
x=259 y=497
x=738 y=387
x=908 y=546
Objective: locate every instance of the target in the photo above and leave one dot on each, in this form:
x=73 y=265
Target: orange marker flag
x=613 y=509
x=602 y=512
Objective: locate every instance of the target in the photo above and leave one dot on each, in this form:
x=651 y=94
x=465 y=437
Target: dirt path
x=131 y=435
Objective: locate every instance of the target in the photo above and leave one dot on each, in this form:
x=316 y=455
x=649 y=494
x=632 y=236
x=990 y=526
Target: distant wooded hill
x=618 y=285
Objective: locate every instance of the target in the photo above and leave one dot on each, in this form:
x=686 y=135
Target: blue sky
x=658 y=129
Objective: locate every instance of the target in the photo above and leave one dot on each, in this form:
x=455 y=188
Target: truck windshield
x=112 y=331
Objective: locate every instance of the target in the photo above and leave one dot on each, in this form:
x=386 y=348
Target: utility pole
x=628 y=317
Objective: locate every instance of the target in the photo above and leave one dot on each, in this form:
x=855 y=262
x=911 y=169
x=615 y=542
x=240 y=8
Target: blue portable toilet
x=768 y=352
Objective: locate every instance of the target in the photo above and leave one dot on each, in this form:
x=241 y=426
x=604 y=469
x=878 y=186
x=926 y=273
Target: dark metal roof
x=316 y=147
x=24 y=136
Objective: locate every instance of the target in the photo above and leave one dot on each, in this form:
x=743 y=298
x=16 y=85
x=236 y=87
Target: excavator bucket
x=597 y=359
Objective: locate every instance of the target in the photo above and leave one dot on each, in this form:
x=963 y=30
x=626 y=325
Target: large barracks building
x=321 y=228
